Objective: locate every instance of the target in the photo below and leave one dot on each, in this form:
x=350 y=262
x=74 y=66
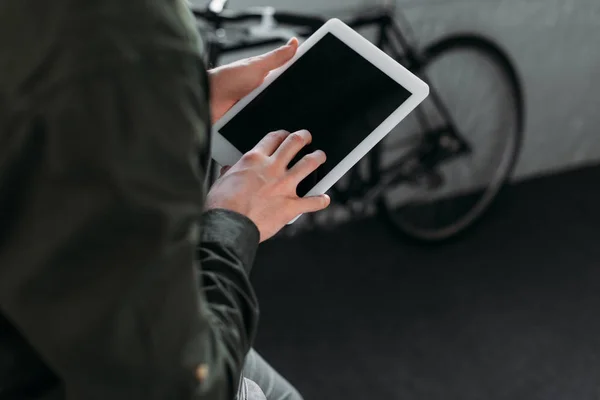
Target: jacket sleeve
x=226 y=253
x=100 y=271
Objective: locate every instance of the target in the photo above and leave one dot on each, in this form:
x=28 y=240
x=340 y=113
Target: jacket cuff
x=234 y=231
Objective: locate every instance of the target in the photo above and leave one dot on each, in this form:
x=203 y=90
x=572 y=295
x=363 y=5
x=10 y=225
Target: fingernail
x=289 y=43
x=327 y=198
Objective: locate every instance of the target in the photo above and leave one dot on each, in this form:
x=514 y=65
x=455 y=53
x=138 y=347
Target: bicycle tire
x=396 y=217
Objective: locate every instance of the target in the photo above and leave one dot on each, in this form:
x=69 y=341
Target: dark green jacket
x=104 y=293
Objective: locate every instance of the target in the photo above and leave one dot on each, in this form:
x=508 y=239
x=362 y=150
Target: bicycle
x=421 y=170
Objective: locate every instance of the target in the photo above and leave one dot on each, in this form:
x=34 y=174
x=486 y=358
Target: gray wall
x=556 y=47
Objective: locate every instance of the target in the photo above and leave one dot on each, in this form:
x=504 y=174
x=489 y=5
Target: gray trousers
x=261 y=381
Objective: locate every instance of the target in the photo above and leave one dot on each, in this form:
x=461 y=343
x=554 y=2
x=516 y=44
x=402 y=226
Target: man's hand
x=261 y=187
x=231 y=82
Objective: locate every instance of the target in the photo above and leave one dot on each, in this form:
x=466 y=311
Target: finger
x=271 y=142
x=291 y=146
x=306 y=166
x=276 y=58
x=225 y=169
x=312 y=204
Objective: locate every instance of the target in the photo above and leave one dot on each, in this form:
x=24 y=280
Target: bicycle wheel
x=481 y=91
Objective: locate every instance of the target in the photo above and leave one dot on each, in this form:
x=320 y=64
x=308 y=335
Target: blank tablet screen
x=331 y=91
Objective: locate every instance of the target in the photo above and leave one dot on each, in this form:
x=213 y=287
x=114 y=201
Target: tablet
x=340 y=87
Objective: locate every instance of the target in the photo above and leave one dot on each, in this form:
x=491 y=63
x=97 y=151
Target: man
x=103 y=111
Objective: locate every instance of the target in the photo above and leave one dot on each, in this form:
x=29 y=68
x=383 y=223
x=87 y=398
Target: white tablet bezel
x=224 y=153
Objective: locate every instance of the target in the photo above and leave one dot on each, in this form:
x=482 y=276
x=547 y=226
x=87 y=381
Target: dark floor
x=509 y=312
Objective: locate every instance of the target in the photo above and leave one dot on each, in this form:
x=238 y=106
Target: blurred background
x=410 y=288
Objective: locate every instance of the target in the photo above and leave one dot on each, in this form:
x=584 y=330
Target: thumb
x=312 y=204
x=276 y=58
